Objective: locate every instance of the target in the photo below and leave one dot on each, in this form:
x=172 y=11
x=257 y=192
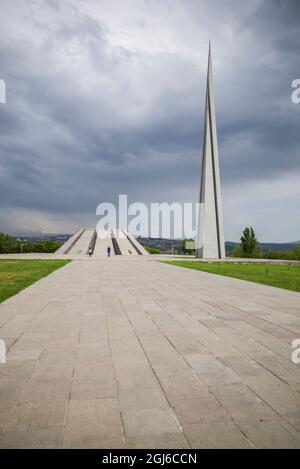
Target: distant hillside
x=230 y=245
x=174 y=245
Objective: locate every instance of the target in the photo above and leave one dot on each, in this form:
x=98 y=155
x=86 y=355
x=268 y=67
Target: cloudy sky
x=106 y=97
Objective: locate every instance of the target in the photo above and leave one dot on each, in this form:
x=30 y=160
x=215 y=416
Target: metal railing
x=115 y=244
x=74 y=242
x=92 y=244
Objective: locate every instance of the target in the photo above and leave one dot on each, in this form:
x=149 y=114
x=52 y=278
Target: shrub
x=152 y=250
x=10 y=245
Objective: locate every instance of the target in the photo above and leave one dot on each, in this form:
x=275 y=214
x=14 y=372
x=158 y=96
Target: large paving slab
x=133 y=353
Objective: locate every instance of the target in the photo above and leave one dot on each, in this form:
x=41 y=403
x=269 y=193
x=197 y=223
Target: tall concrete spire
x=210 y=236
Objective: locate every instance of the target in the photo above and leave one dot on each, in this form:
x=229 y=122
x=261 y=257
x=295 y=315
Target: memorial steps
x=121 y=243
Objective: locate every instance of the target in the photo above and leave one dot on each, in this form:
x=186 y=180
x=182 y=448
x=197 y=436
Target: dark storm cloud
x=89 y=116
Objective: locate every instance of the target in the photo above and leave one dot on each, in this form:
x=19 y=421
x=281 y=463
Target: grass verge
x=15 y=275
x=280 y=276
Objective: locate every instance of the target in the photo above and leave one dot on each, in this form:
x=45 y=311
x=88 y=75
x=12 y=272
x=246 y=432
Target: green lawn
x=15 y=275
x=281 y=276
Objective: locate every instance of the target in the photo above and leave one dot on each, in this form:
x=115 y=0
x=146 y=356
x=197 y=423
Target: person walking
x=108 y=251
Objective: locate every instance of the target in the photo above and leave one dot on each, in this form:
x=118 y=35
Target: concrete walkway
x=139 y=354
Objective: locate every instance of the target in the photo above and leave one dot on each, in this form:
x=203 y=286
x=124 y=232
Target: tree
x=46 y=246
x=237 y=251
x=152 y=250
x=249 y=244
x=297 y=253
x=10 y=245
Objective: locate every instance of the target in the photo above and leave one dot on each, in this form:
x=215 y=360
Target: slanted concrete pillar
x=210 y=235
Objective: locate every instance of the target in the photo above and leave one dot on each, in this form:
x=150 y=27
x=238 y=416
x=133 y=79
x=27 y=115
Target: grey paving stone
x=7 y=407
x=242 y=365
x=30 y=341
x=63 y=343
x=139 y=389
x=282 y=367
x=14 y=376
x=293 y=419
x=141 y=350
x=158 y=443
x=37 y=438
x=243 y=404
x=88 y=352
x=210 y=370
x=46 y=386
x=219 y=435
x=93 y=382
x=38 y=414
x=277 y=394
x=93 y=423
x=24 y=355
x=16 y=326
x=180 y=383
x=56 y=364
x=148 y=424
x=191 y=411
x=271 y=435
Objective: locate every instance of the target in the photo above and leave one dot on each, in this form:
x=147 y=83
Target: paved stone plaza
x=138 y=354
